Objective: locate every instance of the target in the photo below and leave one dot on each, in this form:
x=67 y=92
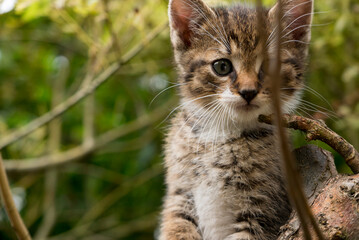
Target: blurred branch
x=81 y=151
x=14 y=216
x=295 y=189
x=81 y=33
x=128 y=145
x=48 y=207
x=107 y=201
x=147 y=222
x=81 y=93
x=49 y=41
x=55 y=126
x=114 y=38
x=84 y=225
x=88 y=115
x=317 y=130
x=93 y=171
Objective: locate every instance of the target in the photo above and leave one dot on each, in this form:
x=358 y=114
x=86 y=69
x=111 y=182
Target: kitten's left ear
x=185 y=16
x=297 y=16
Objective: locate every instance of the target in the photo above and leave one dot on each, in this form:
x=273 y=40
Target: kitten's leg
x=178 y=219
x=253 y=229
x=243 y=231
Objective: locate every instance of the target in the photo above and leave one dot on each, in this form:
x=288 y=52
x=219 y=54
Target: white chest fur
x=214 y=213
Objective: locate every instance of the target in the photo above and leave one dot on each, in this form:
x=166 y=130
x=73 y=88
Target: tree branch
x=333 y=197
x=14 y=216
x=295 y=190
x=81 y=93
x=54 y=143
x=317 y=130
x=76 y=153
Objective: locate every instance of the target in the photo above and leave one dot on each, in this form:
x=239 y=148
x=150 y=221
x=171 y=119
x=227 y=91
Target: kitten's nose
x=248 y=94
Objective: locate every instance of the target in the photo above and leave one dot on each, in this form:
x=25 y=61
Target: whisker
x=219 y=126
x=226 y=36
x=298 y=5
x=207 y=121
x=303 y=15
x=312 y=109
x=305 y=25
x=317 y=106
x=306 y=105
x=214 y=48
x=205 y=30
x=213 y=121
x=216 y=30
x=221 y=88
x=157 y=95
x=187 y=102
x=233 y=121
x=297 y=41
x=270 y=38
x=204 y=115
x=311 y=90
x=304 y=112
x=194 y=114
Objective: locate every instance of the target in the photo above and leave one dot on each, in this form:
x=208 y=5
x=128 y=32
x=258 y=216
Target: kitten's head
x=220 y=59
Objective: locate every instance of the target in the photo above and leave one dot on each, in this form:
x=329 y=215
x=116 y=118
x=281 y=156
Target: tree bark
x=334 y=198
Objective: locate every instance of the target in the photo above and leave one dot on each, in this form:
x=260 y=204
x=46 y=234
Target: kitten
x=224 y=178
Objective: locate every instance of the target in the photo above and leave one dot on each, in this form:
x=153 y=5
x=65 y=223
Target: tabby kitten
x=224 y=178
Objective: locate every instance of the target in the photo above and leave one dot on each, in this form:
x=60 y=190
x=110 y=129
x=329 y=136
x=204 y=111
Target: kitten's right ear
x=297 y=17
x=184 y=16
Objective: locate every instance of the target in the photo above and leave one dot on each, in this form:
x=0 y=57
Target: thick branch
x=80 y=94
x=317 y=130
x=333 y=197
x=14 y=216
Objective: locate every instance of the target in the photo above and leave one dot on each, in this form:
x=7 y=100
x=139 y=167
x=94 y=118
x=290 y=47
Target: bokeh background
x=96 y=171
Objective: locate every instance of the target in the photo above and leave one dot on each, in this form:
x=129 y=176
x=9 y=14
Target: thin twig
x=287 y=158
x=296 y=194
x=14 y=216
x=81 y=93
x=317 y=130
x=275 y=71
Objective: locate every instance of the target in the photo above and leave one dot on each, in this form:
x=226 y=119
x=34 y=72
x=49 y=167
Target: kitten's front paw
x=240 y=236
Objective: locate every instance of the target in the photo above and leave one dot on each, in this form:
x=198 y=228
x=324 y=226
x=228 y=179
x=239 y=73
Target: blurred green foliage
x=116 y=191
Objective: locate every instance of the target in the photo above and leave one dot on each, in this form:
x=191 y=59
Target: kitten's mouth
x=240 y=105
x=246 y=107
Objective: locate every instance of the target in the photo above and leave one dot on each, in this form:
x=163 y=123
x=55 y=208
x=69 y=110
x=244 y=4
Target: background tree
x=95 y=171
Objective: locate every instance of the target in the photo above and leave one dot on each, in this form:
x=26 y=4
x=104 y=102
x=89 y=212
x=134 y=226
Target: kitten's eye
x=222 y=67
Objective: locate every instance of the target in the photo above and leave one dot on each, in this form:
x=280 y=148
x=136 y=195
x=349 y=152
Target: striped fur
x=223 y=173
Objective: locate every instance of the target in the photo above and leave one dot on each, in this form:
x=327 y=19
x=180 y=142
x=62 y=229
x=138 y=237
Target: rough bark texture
x=334 y=198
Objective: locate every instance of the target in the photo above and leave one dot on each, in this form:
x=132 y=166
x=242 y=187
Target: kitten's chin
x=246 y=116
x=246 y=108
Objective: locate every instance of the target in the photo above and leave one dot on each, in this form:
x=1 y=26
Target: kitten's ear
x=184 y=16
x=297 y=17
